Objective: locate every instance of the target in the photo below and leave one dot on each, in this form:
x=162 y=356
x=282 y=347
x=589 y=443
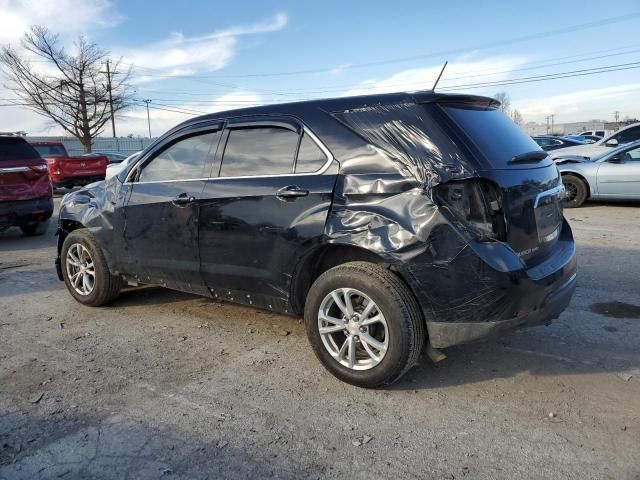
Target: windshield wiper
x=529 y=157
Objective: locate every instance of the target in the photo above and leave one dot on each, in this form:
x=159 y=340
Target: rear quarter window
x=12 y=149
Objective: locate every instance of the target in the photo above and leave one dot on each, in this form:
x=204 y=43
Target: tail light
x=477 y=205
x=54 y=166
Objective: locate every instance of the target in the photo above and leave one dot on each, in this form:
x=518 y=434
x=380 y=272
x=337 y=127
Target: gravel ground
x=169 y=385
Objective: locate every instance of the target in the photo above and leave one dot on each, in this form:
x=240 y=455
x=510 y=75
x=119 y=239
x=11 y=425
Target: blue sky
x=206 y=56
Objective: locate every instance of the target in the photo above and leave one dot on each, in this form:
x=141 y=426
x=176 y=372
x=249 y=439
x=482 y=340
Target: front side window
x=259 y=151
x=183 y=160
x=632 y=155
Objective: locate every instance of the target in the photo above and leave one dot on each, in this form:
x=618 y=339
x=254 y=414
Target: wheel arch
x=580 y=176
x=315 y=263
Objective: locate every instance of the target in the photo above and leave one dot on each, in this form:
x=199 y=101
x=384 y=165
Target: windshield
x=12 y=149
x=115 y=168
x=50 y=150
x=493 y=133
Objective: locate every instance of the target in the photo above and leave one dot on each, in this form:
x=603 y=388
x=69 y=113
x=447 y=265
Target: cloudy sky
x=204 y=56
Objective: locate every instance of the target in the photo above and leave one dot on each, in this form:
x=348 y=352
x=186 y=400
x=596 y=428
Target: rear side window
x=411 y=135
x=183 y=160
x=495 y=135
x=310 y=157
x=259 y=151
x=12 y=149
x=50 y=150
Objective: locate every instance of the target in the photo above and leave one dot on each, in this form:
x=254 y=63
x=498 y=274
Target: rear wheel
x=35 y=228
x=576 y=191
x=364 y=324
x=85 y=270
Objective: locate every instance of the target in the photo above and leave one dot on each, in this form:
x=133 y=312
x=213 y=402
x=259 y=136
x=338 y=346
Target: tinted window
x=495 y=135
x=49 y=150
x=183 y=160
x=12 y=148
x=310 y=157
x=259 y=151
x=599 y=133
x=628 y=135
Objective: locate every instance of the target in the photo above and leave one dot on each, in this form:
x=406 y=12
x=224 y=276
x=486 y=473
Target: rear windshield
x=493 y=133
x=50 y=150
x=12 y=149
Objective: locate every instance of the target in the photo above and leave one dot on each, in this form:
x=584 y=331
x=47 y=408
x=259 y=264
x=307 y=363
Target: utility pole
x=552 y=128
x=148 y=118
x=616 y=114
x=113 y=119
x=547 y=119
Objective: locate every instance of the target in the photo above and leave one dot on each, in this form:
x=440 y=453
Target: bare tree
x=505 y=102
x=517 y=117
x=73 y=90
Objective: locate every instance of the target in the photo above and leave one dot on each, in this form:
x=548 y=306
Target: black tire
x=35 y=228
x=395 y=301
x=106 y=286
x=576 y=191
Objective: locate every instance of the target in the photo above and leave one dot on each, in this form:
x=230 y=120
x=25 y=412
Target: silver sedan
x=613 y=175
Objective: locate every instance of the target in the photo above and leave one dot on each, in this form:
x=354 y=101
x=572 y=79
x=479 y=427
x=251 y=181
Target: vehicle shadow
x=78 y=446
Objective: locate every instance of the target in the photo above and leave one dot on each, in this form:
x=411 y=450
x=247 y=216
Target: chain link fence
x=126 y=146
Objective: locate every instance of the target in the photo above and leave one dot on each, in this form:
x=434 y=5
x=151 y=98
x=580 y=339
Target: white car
x=623 y=136
x=114 y=168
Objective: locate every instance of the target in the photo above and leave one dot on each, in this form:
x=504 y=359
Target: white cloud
x=69 y=17
x=180 y=55
x=424 y=78
x=597 y=103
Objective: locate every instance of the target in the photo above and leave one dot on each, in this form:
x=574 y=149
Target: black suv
x=386 y=220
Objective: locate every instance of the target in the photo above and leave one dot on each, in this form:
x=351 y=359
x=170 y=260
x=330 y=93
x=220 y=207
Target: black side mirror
x=615 y=159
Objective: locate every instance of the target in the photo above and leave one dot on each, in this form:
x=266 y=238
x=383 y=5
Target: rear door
x=622 y=177
x=267 y=206
x=161 y=214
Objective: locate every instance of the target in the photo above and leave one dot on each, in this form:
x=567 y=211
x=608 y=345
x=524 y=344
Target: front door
x=161 y=215
x=267 y=206
x=622 y=178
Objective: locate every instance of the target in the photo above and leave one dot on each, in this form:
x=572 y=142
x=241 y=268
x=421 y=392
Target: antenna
x=438 y=79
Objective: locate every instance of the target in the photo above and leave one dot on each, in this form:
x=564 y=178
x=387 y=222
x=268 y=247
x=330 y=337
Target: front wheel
x=35 y=228
x=576 y=191
x=85 y=270
x=364 y=324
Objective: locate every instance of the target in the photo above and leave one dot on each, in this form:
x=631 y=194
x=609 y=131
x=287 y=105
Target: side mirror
x=615 y=159
x=612 y=143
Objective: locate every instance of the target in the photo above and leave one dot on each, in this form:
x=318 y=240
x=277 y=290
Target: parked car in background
x=114 y=157
x=66 y=171
x=595 y=133
x=613 y=175
x=625 y=135
x=374 y=217
x=26 y=197
x=550 y=142
x=583 y=138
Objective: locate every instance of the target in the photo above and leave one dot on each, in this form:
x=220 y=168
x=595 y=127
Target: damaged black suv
x=387 y=221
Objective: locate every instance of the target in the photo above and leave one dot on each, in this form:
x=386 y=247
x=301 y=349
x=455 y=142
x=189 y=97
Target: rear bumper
x=69 y=182
x=485 y=290
x=25 y=211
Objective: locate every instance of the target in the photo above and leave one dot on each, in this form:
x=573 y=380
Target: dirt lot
x=168 y=385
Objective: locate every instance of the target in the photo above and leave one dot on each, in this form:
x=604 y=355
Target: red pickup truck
x=66 y=171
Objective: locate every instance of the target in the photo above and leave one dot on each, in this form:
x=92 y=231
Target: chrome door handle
x=291 y=191
x=183 y=200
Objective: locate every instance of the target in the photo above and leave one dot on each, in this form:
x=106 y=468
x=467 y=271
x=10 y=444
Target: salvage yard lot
x=164 y=384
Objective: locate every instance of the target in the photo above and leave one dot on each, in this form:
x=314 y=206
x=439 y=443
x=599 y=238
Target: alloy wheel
x=80 y=269
x=353 y=329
